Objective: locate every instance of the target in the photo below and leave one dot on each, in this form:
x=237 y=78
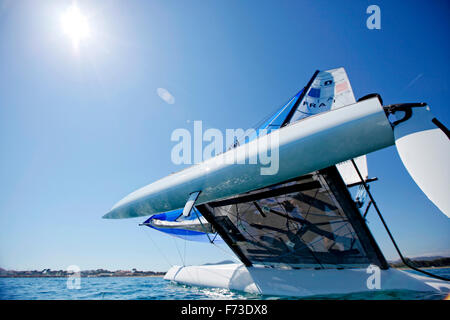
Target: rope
x=179 y=253
x=405 y=262
x=223 y=250
x=157 y=248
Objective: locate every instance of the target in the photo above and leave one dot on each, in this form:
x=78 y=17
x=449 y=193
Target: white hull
x=299 y=282
x=308 y=145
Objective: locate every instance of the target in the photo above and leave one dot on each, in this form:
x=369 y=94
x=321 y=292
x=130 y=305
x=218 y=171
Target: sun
x=75 y=25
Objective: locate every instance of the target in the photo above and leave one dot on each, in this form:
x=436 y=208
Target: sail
x=279 y=118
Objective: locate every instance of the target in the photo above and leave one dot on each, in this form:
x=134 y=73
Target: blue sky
x=81 y=129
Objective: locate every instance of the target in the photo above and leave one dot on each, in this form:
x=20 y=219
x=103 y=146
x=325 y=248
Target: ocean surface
x=155 y=288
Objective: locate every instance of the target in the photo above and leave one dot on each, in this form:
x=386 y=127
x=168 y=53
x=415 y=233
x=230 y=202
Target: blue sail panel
x=179 y=231
x=277 y=120
x=190 y=235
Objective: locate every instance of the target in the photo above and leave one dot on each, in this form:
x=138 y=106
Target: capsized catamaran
x=321 y=97
x=299 y=232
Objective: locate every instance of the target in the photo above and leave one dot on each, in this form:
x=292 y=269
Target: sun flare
x=75 y=25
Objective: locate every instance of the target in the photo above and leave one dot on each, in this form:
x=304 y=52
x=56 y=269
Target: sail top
x=329 y=90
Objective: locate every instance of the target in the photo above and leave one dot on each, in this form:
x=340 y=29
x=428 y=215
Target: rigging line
x=302 y=246
x=297 y=102
x=246 y=210
x=231 y=255
x=277 y=112
x=238 y=220
x=321 y=238
x=179 y=253
x=223 y=250
x=300 y=99
x=185 y=241
x=204 y=228
x=157 y=248
x=295 y=221
x=306 y=113
x=309 y=245
x=256 y=241
x=290 y=213
x=405 y=262
x=255 y=127
x=286 y=213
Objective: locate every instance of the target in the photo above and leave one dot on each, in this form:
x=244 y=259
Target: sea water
x=155 y=288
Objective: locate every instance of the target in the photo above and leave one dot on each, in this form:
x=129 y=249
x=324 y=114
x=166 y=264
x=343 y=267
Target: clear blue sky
x=78 y=131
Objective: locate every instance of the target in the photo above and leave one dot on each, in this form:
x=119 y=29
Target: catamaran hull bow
x=302 y=282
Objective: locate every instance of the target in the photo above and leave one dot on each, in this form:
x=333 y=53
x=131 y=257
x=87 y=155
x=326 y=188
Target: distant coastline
x=423 y=262
x=98 y=273
x=424 y=268
x=419 y=262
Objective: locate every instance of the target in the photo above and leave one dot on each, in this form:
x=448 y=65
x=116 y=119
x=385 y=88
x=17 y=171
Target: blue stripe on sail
x=314 y=92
